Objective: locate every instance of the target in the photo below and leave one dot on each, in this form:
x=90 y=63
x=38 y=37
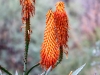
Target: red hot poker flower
x=50 y=52
x=28 y=9
x=61 y=22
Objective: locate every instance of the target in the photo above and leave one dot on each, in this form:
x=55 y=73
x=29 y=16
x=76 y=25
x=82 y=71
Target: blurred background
x=84 y=41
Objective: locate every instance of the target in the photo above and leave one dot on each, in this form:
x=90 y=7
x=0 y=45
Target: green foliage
x=76 y=72
x=16 y=73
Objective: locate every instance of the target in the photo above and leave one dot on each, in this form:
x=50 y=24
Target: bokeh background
x=84 y=40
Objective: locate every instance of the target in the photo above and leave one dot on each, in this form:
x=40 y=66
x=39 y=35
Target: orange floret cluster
x=55 y=36
x=28 y=9
x=50 y=50
x=61 y=22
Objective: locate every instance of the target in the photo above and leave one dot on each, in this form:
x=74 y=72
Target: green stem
x=32 y=68
x=27 y=40
x=61 y=55
x=3 y=69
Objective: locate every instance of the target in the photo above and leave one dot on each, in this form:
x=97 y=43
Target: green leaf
x=0 y=72
x=16 y=73
x=43 y=73
x=47 y=72
x=76 y=72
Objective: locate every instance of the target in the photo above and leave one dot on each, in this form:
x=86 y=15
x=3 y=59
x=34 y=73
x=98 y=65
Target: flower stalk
x=60 y=56
x=28 y=10
x=27 y=40
x=3 y=69
x=32 y=68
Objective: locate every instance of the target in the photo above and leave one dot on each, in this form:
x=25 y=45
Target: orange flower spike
x=49 y=52
x=28 y=9
x=61 y=22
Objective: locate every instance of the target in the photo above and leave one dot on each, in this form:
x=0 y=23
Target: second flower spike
x=61 y=23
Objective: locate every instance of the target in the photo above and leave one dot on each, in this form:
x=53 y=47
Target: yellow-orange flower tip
x=60 y=5
x=61 y=24
x=28 y=9
x=49 y=53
